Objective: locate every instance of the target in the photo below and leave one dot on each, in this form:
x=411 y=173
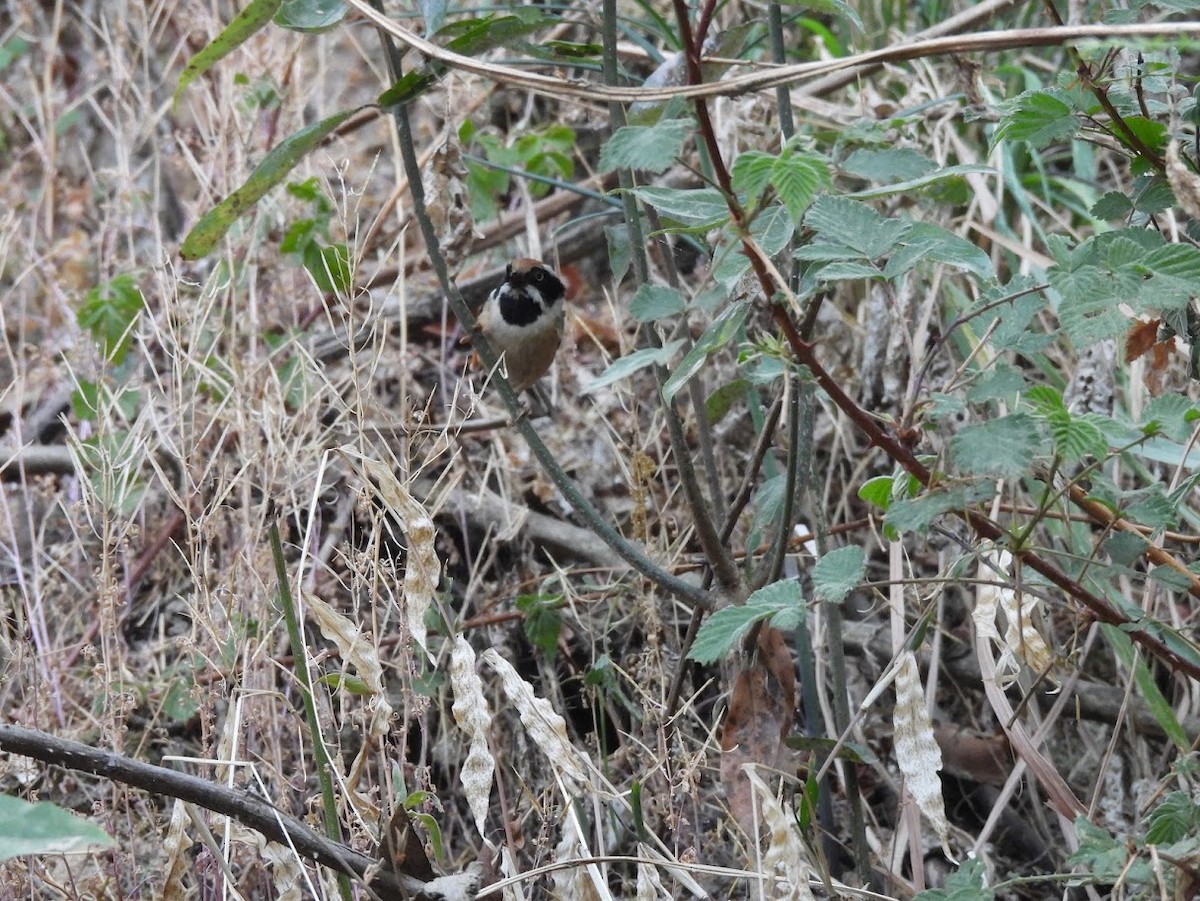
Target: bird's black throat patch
x=518 y=308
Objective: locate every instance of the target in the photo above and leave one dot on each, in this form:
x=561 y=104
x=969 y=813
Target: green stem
x=333 y=826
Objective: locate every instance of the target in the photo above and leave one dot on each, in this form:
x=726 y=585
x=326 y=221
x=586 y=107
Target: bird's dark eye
x=539 y=275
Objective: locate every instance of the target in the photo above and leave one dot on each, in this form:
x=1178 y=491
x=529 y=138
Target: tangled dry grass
x=140 y=600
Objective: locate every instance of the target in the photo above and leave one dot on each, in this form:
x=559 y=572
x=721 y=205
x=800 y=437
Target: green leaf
x=1112 y=205
x=1173 y=413
x=829 y=7
x=1125 y=548
x=854 y=224
x=1159 y=706
x=950 y=173
x=244 y=26
x=798 y=176
x=1175 y=816
x=837 y=573
x=1104 y=858
x=653 y=148
x=471 y=37
x=109 y=312
x=1037 y=117
x=916 y=514
x=964 y=884
x=329 y=266
x=694 y=207
x=721 y=401
x=619 y=251
x=849 y=270
x=654 y=302
x=275 y=167
x=1088 y=310
x=877 y=491
x=625 y=366
x=1152 y=195
x=926 y=242
x=408 y=88
x=719 y=333
x=310 y=16
x=1002 y=447
x=722 y=631
x=890 y=165
x=44 y=828
x=347 y=683
x=542 y=621
x=752 y=173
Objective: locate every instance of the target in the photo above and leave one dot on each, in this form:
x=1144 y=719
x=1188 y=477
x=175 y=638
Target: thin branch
x=252 y=811
x=581 y=89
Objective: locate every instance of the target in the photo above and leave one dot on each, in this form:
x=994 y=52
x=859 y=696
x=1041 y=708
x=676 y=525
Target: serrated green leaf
x=694 y=207
x=1002 y=447
x=854 y=224
x=247 y=23
x=964 y=884
x=654 y=302
x=1088 y=310
x=916 y=514
x=798 y=176
x=890 y=165
x=1173 y=818
x=314 y=16
x=752 y=173
x=1174 y=414
x=1112 y=205
x=653 y=148
x=926 y=242
x=625 y=366
x=109 y=312
x=44 y=828
x=1075 y=438
x=1151 y=507
x=1152 y=195
x=720 y=632
x=1150 y=132
x=1037 y=117
x=848 y=270
x=274 y=168
x=1125 y=548
x=837 y=573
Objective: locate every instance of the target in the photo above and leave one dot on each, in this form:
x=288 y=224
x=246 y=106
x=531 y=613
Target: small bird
x=523 y=320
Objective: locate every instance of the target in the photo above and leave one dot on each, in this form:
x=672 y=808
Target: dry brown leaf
x=472 y=716
x=762 y=706
x=785 y=857
x=917 y=753
x=541 y=721
x=423 y=569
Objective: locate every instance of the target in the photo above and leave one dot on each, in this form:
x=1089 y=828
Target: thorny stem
x=680 y=588
x=805 y=353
